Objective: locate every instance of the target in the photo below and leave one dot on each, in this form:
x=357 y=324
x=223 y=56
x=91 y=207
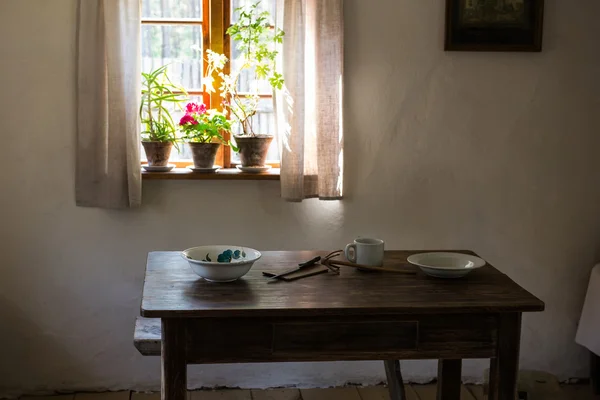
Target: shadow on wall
x=29 y=349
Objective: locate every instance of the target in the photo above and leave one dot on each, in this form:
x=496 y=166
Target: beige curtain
x=108 y=94
x=310 y=109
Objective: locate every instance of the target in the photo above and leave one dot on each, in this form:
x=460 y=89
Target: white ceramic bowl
x=221 y=263
x=446 y=265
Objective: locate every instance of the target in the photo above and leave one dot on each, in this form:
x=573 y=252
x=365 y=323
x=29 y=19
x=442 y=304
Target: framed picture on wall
x=494 y=25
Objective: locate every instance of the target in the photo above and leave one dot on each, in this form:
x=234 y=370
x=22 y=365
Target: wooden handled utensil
x=286 y=276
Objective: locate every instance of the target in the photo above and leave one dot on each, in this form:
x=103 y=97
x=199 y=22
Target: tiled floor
x=413 y=392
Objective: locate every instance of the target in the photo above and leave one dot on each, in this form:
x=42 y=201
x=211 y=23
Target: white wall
x=493 y=152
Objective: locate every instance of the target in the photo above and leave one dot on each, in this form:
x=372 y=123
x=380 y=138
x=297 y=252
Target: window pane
x=262 y=123
x=265 y=5
x=247 y=82
x=178 y=46
x=172 y=9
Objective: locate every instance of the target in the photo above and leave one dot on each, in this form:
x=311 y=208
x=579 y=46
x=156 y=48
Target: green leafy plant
x=158 y=92
x=256 y=40
x=200 y=125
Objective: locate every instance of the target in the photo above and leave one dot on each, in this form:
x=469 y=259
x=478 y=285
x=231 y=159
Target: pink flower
x=188 y=119
x=194 y=108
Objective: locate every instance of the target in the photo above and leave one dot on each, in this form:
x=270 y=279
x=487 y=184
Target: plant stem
x=254 y=69
x=236 y=98
x=248 y=52
x=151 y=126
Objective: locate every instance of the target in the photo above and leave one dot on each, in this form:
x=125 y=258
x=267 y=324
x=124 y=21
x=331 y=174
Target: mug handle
x=347 y=252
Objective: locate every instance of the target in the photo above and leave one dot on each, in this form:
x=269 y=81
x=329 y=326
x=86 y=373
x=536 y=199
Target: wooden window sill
x=225 y=174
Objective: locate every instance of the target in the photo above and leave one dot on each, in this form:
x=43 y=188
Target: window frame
x=216 y=16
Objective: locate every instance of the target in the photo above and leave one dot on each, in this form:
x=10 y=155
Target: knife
x=306 y=264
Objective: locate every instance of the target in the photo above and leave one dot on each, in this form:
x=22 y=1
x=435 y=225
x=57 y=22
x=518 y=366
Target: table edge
x=345 y=312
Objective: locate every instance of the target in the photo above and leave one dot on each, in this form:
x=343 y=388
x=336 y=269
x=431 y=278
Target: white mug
x=365 y=251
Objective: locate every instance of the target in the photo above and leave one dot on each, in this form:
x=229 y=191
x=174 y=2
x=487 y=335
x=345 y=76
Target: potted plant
x=203 y=131
x=257 y=42
x=159 y=132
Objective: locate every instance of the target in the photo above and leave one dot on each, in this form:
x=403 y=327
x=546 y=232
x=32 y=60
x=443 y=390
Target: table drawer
x=331 y=337
x=338 y=338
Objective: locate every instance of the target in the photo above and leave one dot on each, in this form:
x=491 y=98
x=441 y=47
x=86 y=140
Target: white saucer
x=254 y=169
x=215 y=168
x=446 y=265
x=157 y=168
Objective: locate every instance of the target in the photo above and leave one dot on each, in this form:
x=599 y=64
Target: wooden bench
x=146 y=337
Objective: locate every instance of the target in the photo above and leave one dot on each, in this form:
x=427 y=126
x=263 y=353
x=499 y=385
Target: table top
x=172 y=289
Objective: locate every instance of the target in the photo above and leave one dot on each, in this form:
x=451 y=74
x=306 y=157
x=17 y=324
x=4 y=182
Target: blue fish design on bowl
x=228 y=255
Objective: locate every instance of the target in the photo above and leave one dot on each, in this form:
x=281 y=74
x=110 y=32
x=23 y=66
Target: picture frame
x=494 y=25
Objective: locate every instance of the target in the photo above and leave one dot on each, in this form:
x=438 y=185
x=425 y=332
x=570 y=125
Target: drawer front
x=239 y=340
x=331 y=337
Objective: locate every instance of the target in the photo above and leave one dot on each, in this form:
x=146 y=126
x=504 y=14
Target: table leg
x=173 y=362
x=449 y=379
x=595 y=373
x=504 y=369
x=394 y=379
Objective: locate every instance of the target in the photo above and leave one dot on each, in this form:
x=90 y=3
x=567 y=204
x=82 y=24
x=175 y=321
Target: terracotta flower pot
x=253 y=149
x=157 y=153
x=204 y=154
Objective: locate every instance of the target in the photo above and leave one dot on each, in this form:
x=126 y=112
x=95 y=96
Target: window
x=264 y=120
x=178 y=33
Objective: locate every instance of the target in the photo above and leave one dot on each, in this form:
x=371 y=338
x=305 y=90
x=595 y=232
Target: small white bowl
x=446 y=265
x=221 y=263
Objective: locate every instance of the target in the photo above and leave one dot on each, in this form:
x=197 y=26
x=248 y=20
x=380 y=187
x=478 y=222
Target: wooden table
x=353 y=316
